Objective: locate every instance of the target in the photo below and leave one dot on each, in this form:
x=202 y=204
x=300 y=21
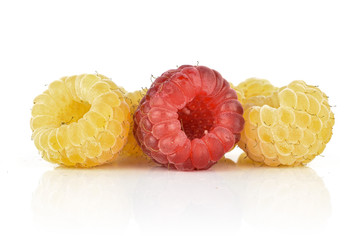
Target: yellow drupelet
x=80 y=121
x=132 y=149
x=286 y=126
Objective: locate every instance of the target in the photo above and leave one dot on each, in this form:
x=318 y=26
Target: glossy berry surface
x=189 y=118
x=131 y=148
x=286 y=126
x=81 y=121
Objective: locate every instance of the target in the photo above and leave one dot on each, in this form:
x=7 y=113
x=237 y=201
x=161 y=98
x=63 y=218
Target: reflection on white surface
x=155 y=199
x=282 y=197
x=174 y=201
x=83 y=198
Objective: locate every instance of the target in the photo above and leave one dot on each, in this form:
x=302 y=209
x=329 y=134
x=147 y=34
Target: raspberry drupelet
x=189 y=118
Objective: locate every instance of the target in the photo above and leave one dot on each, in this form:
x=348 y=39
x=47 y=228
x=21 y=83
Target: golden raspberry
x=254 y=87
x=131 y=148
x=289 y=126
x=80 y=121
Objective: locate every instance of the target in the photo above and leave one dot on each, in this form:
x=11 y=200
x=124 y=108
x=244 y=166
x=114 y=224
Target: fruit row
x=187 y=120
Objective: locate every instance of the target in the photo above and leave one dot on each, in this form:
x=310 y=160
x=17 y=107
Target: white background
x=316 y=41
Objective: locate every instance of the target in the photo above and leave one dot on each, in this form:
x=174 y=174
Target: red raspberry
x=189 y=118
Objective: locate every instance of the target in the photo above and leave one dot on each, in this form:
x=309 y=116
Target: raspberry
x=189 y=118
x=290 y=126
x=254 y=87
x=80 y=121
x=131 y=148
x=255 y=91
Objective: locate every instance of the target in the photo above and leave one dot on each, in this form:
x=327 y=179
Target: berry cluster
x=187 y=120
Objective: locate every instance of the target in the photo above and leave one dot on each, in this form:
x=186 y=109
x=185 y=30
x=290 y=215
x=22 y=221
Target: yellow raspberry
x=289 y=126
x=132 y=149
x=253 y=87
x=80 y=121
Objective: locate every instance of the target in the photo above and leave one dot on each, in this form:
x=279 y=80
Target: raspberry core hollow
x=189 y=118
